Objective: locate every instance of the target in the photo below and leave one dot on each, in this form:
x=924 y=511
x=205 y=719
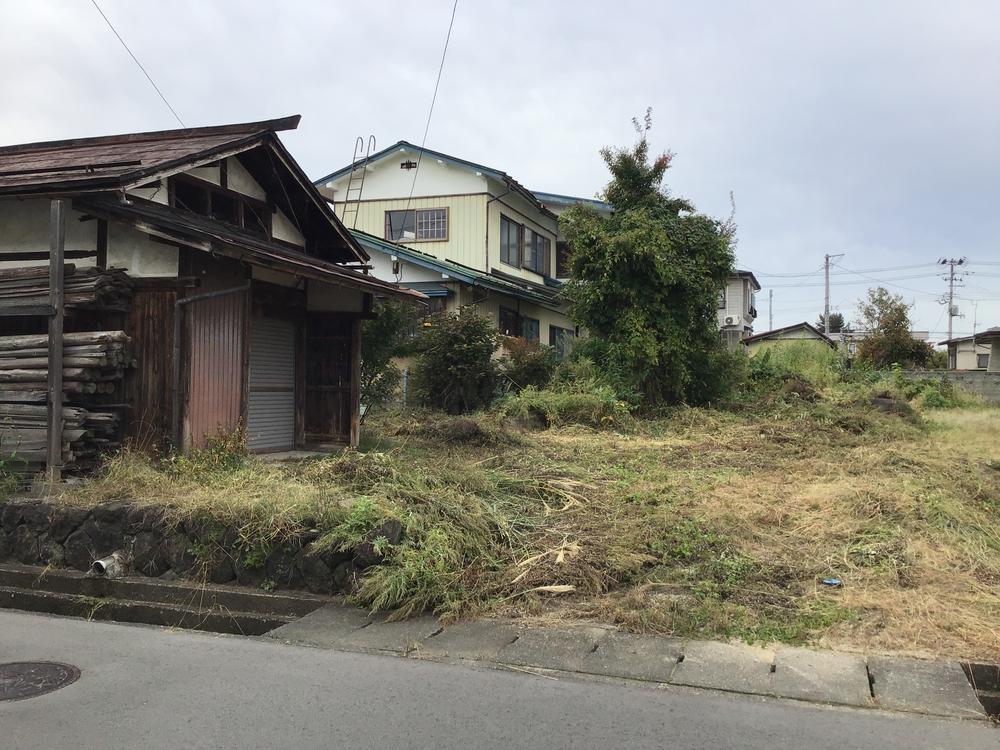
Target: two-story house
x=460 y=232
x=738 y=307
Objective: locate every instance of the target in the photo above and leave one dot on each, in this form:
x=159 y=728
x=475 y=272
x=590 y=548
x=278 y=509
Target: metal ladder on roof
x=356 y=180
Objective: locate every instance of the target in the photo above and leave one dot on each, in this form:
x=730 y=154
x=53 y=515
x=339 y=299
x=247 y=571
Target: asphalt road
x=144 y=687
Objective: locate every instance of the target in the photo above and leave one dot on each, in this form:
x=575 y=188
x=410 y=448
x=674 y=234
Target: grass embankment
x=703 y=523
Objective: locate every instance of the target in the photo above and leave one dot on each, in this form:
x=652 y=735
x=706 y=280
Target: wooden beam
x=102 y=243
x=57 y=247
x=43 y=255
x=19 y=311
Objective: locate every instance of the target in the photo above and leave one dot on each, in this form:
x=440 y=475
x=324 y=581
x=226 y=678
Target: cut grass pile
x=701 y=523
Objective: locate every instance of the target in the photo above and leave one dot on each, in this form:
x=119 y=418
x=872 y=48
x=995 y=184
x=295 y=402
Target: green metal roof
x=536 y=293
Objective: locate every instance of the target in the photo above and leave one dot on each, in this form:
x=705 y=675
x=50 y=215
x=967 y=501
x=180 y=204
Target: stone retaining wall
x=39 y=533
x=986 y=384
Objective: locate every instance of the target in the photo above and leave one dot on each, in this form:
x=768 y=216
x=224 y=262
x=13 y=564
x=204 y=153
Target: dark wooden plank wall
x=148 y=387
x=329 y=408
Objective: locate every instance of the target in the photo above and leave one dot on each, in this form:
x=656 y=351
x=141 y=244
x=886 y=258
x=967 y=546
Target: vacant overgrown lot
x=700 y=523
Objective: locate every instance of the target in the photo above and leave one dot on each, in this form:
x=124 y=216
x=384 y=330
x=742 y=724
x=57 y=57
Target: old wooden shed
x=247 y=293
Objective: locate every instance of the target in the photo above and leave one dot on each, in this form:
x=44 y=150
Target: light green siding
x=466 y=226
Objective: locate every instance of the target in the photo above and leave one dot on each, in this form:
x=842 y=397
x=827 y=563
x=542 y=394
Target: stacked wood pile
x=94 y=363
x=85 y=288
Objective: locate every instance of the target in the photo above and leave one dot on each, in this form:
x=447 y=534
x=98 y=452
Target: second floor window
x=416 y=225
x=536 y=252
x=722 y=299
x=510 y=242
x=562 y=260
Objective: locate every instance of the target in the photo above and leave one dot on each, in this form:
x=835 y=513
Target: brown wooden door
x=330 y=409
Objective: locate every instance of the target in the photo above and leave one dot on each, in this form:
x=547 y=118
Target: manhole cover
x=26 y=679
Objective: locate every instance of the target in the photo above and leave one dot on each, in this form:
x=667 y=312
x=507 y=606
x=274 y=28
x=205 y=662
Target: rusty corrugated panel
x=216 y=330
x=148 y=386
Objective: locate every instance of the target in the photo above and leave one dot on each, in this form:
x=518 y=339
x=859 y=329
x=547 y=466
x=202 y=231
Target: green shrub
x=527 y=363
x=577 y=394
x=383 y=338
x=455 y=370
x=820 y=366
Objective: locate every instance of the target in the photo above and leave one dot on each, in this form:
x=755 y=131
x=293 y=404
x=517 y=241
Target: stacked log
x=94 y=363
x=85 y=288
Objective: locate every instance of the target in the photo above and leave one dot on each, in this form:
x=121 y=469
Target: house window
x=530 y=329
x=416 y=225
x=536 y=252
x=510 y=242
x=562 y=260
x=952 y=358
x=560 y=339
x=722 y=298
x=982 y=361
x=432 y=224
x=510 y=322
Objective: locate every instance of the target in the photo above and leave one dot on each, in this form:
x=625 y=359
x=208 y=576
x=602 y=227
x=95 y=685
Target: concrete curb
x=828 y=677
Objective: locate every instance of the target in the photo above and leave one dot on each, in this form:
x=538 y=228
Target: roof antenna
x=356 y=180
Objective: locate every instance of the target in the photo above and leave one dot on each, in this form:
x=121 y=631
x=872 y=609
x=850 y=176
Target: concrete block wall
x=986 y=384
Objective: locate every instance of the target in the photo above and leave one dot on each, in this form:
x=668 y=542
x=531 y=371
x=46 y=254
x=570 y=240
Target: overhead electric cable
x=136 y=60
x=430 y=113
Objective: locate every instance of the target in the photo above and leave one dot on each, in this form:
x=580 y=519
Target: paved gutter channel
x=895 y=684
x=934 y=688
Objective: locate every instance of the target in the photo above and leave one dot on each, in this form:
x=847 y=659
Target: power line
x=430 y=111
x=866 y=270
x=136 y=60
x=853 y=283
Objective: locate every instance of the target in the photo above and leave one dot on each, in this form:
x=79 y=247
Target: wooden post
x=57 y=247
x=355 y=381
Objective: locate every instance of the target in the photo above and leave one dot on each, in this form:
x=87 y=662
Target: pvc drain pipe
x=112 y=566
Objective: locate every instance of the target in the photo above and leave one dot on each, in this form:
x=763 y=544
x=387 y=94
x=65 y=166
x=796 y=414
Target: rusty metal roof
x=119 y=161
x=203 y=233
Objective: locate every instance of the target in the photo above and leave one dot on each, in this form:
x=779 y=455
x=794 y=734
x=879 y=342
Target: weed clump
x=577 y=395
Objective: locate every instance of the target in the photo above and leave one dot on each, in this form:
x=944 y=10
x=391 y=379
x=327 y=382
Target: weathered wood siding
x=149 y=387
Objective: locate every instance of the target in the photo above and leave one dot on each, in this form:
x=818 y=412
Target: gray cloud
x=856 y=127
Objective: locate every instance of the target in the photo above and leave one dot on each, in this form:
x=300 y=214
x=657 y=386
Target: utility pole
x=826 y=287
x=952 y=309
x=770 y=309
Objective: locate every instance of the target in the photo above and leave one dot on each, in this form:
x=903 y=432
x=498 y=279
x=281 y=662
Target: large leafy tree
x=645 y=282
x=887 y=318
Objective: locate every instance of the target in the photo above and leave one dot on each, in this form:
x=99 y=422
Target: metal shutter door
x=271 y=403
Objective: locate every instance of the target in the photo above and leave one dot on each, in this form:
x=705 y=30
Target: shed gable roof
x=777 y=332
x=120 y=162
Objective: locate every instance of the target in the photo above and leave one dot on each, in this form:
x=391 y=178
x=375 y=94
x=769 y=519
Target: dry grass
x=705 y=523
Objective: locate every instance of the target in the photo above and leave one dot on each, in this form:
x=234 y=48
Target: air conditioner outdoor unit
x=732 y=320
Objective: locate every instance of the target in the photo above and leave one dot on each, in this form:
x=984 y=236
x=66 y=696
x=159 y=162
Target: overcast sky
x=869 y=128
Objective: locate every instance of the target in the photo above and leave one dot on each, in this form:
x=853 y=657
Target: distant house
x=737 y=308
x=793 y=334
x=849 y=341
x=468 y=235
x=968 y=352
x=247 y=293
